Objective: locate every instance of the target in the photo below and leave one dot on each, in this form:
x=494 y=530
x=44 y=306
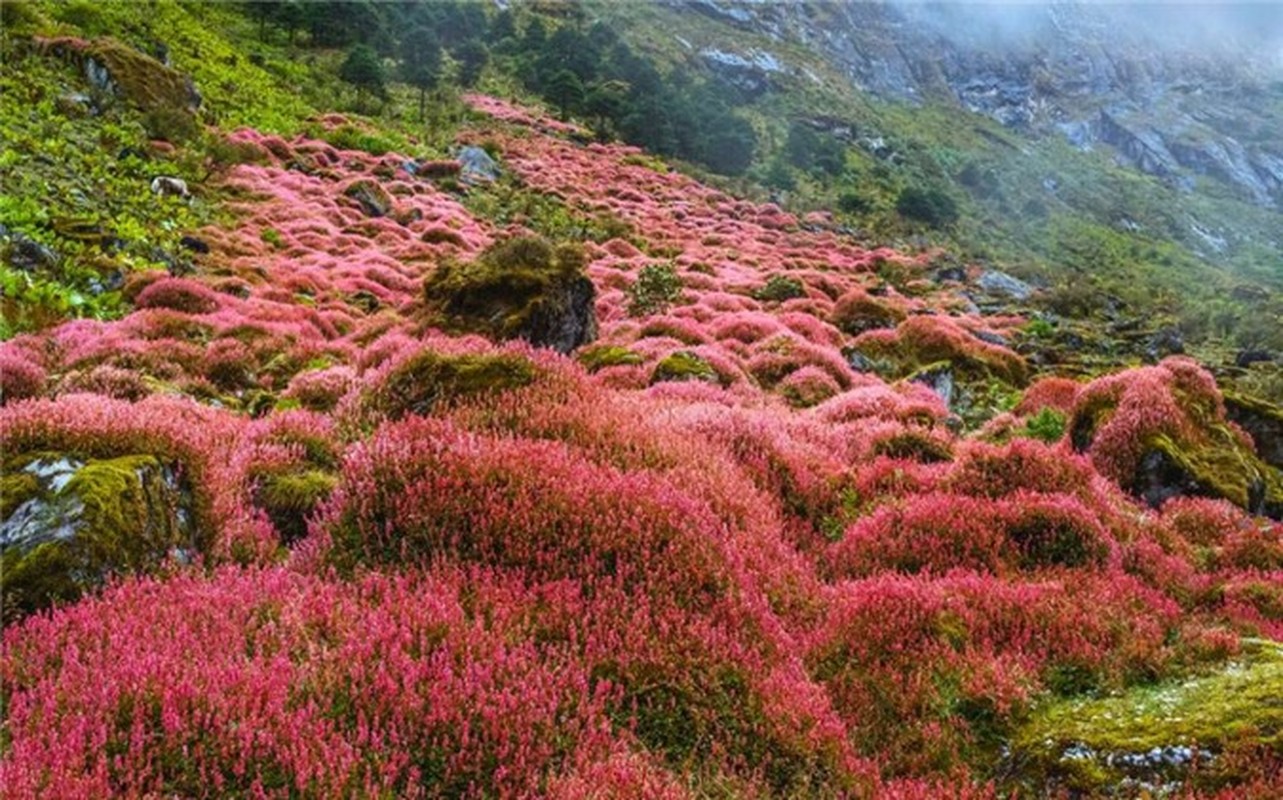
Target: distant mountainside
x=1117 y=146
x=1172 y=105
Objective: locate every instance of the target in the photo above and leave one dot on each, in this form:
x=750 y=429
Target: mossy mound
x=1172 y=441
x=289 y=498
x=684 y=366
x=69 y=524
x=1152 y=740
x=521 y=288
x=422 y=382
x=167 y=97
x=599 y=358
x=926 y=340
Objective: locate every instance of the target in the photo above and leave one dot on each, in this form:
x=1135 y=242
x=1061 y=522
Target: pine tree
x=421 y=63
x=364 y=70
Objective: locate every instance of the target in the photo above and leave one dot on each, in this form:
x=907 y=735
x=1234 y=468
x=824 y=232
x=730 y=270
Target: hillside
x=349 y=451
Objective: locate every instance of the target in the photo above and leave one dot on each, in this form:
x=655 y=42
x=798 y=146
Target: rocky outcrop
x=68 y=524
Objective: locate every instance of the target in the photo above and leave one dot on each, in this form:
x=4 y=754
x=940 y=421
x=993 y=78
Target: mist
x=1247 y=31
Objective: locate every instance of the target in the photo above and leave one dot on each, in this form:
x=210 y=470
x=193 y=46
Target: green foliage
x=364 y=70
x=779 y=288
x=1047 y=425
x=656 y=288
x=1134 y=736
x=933 y=206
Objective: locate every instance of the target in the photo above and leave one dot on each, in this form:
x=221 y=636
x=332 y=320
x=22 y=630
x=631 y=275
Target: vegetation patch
x=524 y=287
x=1148 y=738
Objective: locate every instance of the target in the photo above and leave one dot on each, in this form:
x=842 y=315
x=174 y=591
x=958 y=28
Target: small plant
x=1047 y=425
x=779 y=288
x=657 y=287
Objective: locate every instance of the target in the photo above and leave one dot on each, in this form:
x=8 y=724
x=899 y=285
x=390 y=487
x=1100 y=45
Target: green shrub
x=930 y=205
x=657 y=287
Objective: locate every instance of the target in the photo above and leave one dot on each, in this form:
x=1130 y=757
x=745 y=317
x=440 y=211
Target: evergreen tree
x=421 y=63
x=472 y=56
x=566 y=91
x=364 y=70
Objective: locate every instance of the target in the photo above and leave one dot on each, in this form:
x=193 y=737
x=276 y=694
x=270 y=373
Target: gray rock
x=1165 y=342
x=939 y=380
x=476 y=165
x=1003 y=285
x=29 y=255
x=567 y=320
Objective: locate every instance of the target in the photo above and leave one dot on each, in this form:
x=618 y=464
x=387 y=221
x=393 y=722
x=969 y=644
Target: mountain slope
x=527 y=465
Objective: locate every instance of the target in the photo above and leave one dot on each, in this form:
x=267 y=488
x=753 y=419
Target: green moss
x=779 y=288
x=1048 y=425
x=1094 y=745
x=15 y=489
x=432 y=378
x=515 y=289
x=598 y=358
x=684 y=366
x=93 y=519
x=916 y=446
x=290 y=497
x=1219 y=465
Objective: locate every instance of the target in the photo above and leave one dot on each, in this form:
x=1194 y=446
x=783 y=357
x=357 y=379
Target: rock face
x=1263 y=422
x=1097 y=74
x=115 y=70
x=69 y=523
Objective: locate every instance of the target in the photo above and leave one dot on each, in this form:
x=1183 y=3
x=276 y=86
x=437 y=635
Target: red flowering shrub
x=19 y=377
x=179 y=294
x=273 y=684
x=928 y=672
x=923 y=340
x=1050 y=392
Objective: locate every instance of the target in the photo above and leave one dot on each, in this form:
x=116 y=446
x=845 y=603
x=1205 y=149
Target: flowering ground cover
x=711 y=553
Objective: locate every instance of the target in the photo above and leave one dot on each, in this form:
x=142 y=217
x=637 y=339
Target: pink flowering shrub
x=19 y=377
x=274 y=684
x=179 y=294
x=479 y=570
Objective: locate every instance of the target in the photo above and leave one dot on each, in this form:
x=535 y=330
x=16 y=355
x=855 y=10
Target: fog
x=1251 y=31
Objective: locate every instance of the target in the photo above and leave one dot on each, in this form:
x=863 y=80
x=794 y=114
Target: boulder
x=476 y=166
x=1003 y=285
x=374 y=200
x=67 y=524
x=29 y=255
x=522 y=288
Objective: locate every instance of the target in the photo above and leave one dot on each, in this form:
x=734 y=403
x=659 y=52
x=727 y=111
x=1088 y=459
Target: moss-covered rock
x=1200 y=731
x=69 y=524
x=684 y=366
x=373 y=198
x=521 y=288
x=1263 y=422
x=420 y=383
x=168 y=99
x=289 y=498
x=598 y=358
